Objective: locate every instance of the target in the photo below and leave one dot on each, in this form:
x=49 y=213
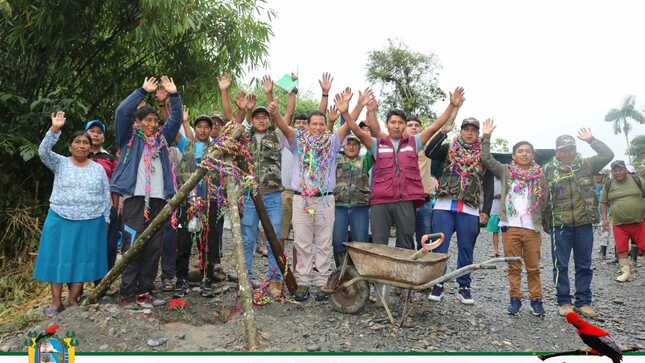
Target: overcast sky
x=540 y=69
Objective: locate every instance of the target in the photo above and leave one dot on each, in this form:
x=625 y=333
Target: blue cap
x=93 y=123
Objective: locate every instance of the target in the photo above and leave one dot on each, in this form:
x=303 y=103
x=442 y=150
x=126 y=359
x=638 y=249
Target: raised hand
x=332 y=114
x=149 y=84
x=365 y=96
x=585 y=134
x=273 y=106
x=185 y=112
x=371 y=103
x=240 y=100
x=342 y=101
x=267 y=84
x=168 y=84
x=489 y=126
x=325 y=83
x=224 y=81
x=250 y=102
x=457 y=97
x=347 y=94
x=58 y=120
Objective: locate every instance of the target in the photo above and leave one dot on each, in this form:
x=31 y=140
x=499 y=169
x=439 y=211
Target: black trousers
x=214 y=244
x=139 y=275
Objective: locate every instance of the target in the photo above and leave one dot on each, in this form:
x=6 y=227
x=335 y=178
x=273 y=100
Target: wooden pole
x=137 y=246
x=276 y=247
x=246 y=292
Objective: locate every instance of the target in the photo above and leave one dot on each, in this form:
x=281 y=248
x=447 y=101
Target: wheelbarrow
x=411 y=270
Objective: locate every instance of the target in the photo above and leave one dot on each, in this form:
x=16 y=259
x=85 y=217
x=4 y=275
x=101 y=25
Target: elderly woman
x=73 y=245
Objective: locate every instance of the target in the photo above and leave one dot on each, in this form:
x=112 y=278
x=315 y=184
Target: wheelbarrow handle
x=428 y=247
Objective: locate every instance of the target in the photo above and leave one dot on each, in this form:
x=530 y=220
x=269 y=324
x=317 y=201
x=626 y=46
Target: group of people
x=314 y=177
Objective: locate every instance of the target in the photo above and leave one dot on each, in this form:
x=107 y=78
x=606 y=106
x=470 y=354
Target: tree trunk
x=246 y=292
x=276 y=247
x=157 y=221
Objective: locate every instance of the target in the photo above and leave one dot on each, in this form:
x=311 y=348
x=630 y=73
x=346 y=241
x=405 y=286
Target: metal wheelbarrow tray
x=395 y=264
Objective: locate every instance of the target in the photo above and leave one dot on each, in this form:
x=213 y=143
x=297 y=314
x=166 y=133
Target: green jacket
x=267 y=159
x=503 y=173
x=570 y=191
x=352 y=182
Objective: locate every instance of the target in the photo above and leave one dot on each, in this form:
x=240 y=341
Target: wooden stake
x=276 y=247
x=246 y=292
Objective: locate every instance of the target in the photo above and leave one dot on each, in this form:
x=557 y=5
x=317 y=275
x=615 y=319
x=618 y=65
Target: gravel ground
x=215 y=324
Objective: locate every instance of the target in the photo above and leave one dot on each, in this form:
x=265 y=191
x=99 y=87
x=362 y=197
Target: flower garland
x=526 y=179
x=465 y=158
x=152 y=147
x=315 y=162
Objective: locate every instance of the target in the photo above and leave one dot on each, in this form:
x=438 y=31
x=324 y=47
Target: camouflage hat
x=470 y=121
x=218 y=117
x=564 y=141
x=618 y=164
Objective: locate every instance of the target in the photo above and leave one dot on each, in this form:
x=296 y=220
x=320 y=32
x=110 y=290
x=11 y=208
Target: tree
x=621 y=117
x=500 y=145
x=83 y=57
x=408 y=79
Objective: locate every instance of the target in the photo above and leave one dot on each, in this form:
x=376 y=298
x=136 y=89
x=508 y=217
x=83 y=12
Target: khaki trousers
x=287 y=210
x=312 y=238
x=524 y=243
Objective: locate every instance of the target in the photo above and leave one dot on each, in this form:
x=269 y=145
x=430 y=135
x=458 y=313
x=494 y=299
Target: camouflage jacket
x=187 y=167
x=352 y=182
x=450 y=183
x=570 y=197
x=639 y=166
x=267 y=160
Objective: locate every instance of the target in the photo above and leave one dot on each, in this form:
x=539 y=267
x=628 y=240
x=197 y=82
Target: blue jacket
x=124 y=178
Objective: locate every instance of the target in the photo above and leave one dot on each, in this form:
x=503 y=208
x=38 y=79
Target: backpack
x=636 y=179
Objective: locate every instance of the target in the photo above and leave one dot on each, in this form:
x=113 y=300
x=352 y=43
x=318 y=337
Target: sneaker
x=537 y=308
x=586 y=311
x=320 y=295
x=514 y=306
x=206 y=288
x=145 y=300
x=464 y=296
x=302 y=294
x=437 y=293
x=564 y=309
x=181 y=288
x=167 y=285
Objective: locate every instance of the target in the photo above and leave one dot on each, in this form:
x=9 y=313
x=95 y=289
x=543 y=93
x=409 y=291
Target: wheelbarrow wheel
x=351 y=299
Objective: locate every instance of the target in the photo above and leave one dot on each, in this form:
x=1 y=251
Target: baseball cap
x=618 y=164
x=564 y=141
x=203 y=118
x=93 y=123
x=353 y=137
x=260 y=109
x=470 y=121
x=217 y=117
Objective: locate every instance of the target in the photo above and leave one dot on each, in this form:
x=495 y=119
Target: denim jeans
x=357 y=218
x=423 y=222
x=467 y=228
x=250 y=221
x=579 y=240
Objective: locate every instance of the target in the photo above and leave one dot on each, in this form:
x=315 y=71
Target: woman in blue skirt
x=73 y=244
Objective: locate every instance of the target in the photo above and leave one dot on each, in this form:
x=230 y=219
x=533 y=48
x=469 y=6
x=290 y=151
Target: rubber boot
x=626 y=269
x=603 y=252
